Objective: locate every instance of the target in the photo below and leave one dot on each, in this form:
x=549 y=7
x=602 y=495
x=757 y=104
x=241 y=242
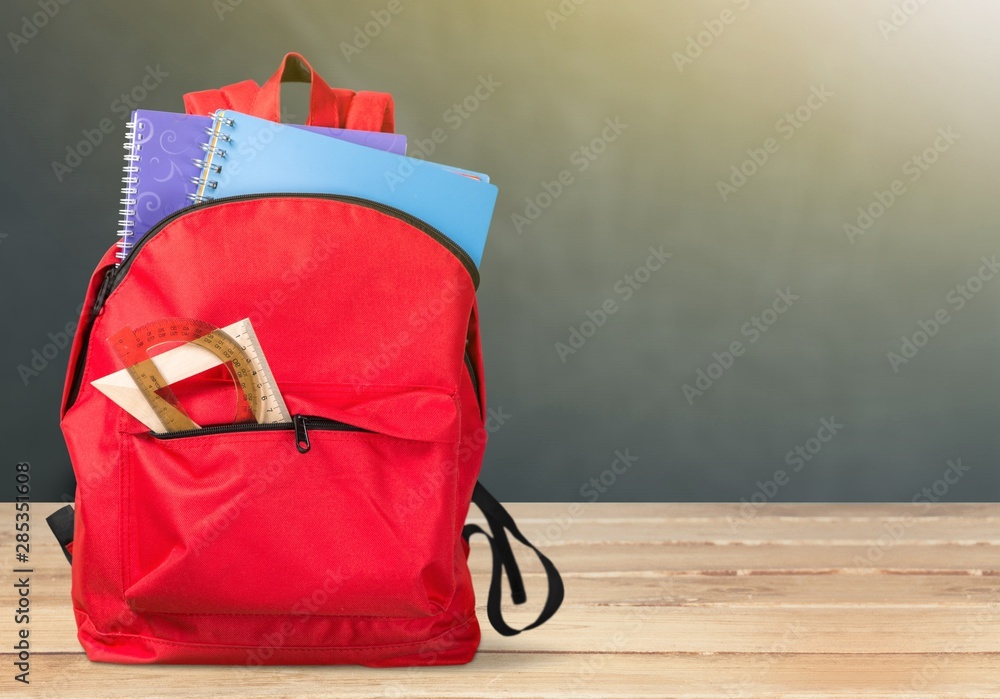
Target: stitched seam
x=124 y=518
x=284 y=614
x=329 y=387
x=421 y=642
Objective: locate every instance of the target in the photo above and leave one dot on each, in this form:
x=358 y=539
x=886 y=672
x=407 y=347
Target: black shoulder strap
x=61 y=524
x=500 y=522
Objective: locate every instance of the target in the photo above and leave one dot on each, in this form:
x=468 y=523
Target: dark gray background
x=656 y=184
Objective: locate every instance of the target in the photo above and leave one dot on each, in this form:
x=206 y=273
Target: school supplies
x=142 y=388
x=163 y=156
x=367 y=460
x=294 y=161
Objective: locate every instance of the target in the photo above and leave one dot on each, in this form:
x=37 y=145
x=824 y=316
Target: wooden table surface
x=662 y=600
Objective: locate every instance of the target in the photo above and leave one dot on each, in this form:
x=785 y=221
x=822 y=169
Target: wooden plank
x=770 y=591
x=870 y=538
x=643 y=511
x=662 y=600
x=737 y=559
x=582 y=629
x=881 y=546
x=608 y=606
x=816 y=629
x=926 y=531
x=602 y=675
x=695 y=590
x=557 y=523
x=644 y=558
x=560 y=527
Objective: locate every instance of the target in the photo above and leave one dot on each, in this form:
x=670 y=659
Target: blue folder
x=262 y=157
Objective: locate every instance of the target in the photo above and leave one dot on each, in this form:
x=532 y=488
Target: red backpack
x=338 y=537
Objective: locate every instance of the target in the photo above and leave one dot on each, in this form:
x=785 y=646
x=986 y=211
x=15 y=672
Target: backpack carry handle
x=369 y=111
x=336 y=107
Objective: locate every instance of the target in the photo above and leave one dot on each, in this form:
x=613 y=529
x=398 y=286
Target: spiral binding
x=126 y=223
x=207 y=166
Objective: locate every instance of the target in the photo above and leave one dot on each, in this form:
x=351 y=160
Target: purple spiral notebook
x=163 y=156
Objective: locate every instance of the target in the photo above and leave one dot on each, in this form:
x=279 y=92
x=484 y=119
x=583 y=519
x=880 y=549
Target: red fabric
x=337 y=107
x=238 y=96
x=236 y=548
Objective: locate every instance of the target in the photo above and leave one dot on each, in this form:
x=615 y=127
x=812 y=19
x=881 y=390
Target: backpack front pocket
x=315 y=517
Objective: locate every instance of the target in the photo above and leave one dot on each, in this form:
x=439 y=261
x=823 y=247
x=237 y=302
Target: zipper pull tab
x=301 y=434
x=102 y=292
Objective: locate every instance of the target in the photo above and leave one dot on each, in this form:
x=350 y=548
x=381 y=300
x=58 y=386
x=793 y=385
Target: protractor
x=133 y=346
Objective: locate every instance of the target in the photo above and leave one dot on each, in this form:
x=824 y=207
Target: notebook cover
x=166 y=144
x=293 y=160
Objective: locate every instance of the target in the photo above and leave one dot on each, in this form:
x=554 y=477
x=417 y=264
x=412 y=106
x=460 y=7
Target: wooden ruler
x=143 y=387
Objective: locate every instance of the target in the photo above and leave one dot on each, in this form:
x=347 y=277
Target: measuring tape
x=156 y=405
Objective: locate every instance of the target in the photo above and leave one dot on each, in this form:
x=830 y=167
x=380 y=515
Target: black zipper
x=102 y=293
x=472 y=375
x=113 y=276
x=300 y=424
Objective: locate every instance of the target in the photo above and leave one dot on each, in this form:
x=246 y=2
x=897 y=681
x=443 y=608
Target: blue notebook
x=286 y=159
